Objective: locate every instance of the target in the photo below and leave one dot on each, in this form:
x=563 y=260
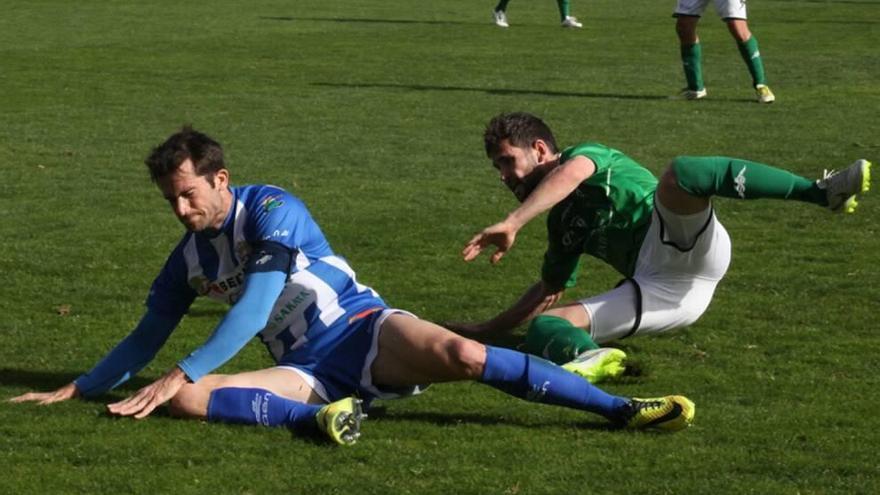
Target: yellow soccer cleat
x=843 y=187
x=341 y=420
x=670 y=413
x=598 y=365
x=763 y=94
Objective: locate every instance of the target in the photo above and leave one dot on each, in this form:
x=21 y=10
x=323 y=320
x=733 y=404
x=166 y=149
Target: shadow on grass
x=367 y=20
x=493 y=91
x=453 y=419
x=44 y=381
x=534 y=92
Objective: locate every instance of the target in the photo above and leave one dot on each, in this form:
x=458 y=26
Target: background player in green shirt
x=662 y=236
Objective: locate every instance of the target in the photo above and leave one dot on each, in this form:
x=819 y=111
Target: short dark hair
x=188 y=143
x=520 y=128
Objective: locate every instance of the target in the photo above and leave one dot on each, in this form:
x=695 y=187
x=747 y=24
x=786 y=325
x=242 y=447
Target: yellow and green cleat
x=843 y=187
x=341 y=420
x=597 y=365
x=670 y=413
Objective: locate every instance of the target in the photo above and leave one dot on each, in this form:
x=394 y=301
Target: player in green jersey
x=662 y=236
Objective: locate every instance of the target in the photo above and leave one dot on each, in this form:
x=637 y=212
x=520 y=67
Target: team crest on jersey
x=272 y=202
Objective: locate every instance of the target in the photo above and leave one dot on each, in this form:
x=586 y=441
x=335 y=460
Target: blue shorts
x=341 y=366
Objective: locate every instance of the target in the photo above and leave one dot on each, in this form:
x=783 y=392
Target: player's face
x=519 y=168
x=196 y=202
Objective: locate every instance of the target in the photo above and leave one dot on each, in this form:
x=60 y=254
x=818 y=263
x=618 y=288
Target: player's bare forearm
x=556 y=186
x=536 y=299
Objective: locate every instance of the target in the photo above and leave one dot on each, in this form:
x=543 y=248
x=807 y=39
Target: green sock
x=692 y=61
x=564 y=9
x=752 y=57
x=734 y=178
x=557 y=339
x=502 y=5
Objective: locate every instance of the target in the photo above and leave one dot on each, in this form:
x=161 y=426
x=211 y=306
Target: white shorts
x=682 y=259
x=727 y=9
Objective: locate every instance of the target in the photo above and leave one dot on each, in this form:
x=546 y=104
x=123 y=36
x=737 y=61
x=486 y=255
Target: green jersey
x=607 y=216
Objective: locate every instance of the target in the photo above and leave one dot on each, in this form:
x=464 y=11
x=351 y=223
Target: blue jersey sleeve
x=247 y=317
x=170 y=293
x=280 y=217
x=129 y=356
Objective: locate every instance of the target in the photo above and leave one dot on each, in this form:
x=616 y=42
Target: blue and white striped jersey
x=321 y=289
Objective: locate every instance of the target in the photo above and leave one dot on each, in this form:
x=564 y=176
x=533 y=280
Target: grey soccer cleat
x=571 y=22
x=500 y=18
x=690 y=94
x=842 y=187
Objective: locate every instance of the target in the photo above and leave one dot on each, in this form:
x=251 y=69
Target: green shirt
x=607 y=216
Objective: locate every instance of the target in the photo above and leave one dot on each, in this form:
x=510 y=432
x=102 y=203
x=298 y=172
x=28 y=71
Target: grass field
x=372 y=112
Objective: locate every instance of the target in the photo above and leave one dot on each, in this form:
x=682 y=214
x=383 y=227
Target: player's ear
x=540 y=147
x=221 y=178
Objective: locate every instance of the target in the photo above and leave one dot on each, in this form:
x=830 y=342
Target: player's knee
x=466 y=356
x=739 y=29
x=686 y=28
x=669 y=178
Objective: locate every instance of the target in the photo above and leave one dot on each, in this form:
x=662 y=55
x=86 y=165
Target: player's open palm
x=66 y=392
x=501 y=235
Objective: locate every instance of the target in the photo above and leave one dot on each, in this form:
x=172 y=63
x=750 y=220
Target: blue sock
x=536 y=380
x=256 y=406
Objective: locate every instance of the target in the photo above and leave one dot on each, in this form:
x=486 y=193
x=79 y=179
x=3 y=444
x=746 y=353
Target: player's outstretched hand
x=66 y=392
x=501 y=235
x=147 y=399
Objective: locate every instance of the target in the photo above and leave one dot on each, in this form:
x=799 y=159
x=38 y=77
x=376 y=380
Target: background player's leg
x=691 y=52
x=748 y=49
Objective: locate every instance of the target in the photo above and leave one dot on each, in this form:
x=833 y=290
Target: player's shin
x=536 y=380
x=692 y=62
x=742 y=179
x=557 y=339
x=564 y=9
x=751 y=55
x=255 y=406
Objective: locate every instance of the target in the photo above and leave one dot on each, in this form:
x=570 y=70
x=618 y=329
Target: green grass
x=372 y=112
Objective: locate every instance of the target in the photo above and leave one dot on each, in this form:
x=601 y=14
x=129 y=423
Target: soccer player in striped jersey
x=662 y=236
x=331 y=338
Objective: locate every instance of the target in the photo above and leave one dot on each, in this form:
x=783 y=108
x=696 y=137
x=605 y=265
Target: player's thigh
x=413 y=352
x=613 y=314
x=192 y=399
x=690 y=8
x=731 y=9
